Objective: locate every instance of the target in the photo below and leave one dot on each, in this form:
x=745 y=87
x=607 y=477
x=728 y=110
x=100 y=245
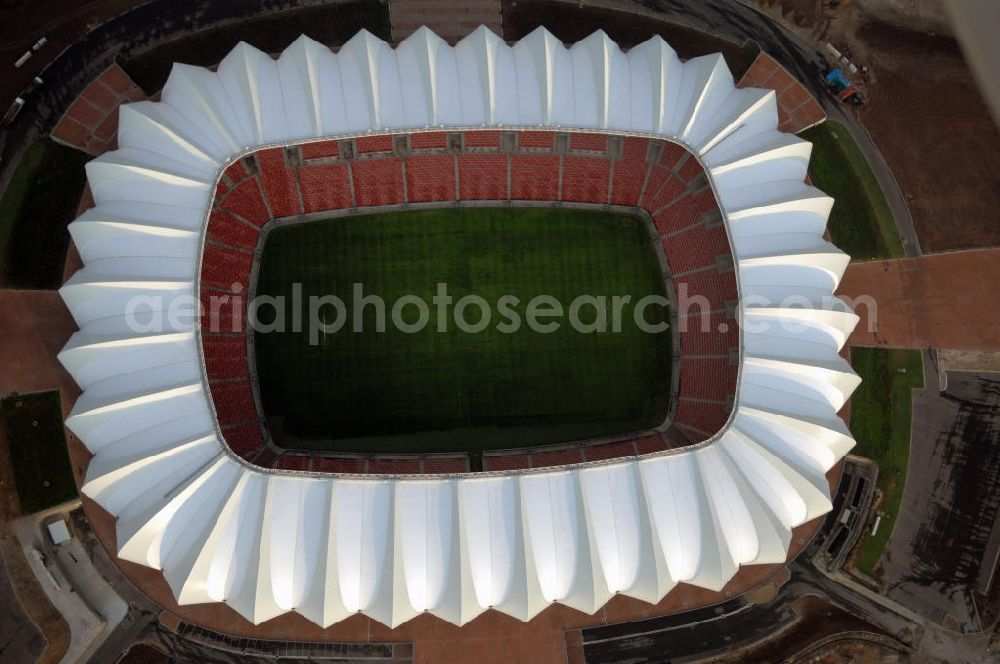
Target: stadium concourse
x=287 y=554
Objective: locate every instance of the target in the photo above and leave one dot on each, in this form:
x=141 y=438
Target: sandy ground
x=938 y=301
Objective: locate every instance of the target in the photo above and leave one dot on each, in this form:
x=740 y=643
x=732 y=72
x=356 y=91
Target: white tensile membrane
x=326 y=546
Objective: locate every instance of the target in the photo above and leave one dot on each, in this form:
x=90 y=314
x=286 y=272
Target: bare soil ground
x=925 y=113
x=929 y=119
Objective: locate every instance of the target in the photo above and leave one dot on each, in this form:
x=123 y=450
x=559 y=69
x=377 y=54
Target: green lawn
x=434 y=391
x=329 y=23
x=36 y=208
x=861 y=222
x=881 y=411
x=33 y=425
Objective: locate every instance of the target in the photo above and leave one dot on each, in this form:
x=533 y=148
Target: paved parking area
x=940 y=559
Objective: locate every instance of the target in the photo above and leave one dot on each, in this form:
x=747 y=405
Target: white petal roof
x=268 y=542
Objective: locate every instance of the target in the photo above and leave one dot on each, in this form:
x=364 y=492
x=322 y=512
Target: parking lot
x=943 y=551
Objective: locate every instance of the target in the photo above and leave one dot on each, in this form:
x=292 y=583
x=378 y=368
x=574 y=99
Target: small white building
x=59 y=532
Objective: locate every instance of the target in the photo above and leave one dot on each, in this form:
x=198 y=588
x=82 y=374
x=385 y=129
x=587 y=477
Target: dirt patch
x=142 y=653
x=929 y=119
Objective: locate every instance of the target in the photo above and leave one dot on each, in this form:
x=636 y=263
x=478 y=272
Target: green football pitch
x=442 y=388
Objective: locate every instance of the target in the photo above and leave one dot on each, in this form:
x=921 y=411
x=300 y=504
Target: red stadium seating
x=585 y=179
x=455 y=464
x=662 y=188
x=394 y=466
x=545 y=459
x=707 y=378
x=430 y=140
x=708 y=334
x=534 y=177
x=292 y=462
x=325 y=187
x=233 y=401
x=224 y=228
x=671 y=155
x=590 y=142
x=339 y=464
x=320 y=150
x=378 y=182
x=717 y=288
x=247 y=201
x=225 y=355
x=497 y=461
x=650 y=444
x=482 y=139
x=482 y=177
x=221 y=311
x=696 y=249
x=536 y=139
x=611 y=450
x=237 y=171
x=690 y=170
x=630 y=172
x=222 y=267
x=279 y=183
x=244 y=440
x=369 y=144
x=430 y=178
x=705 y=417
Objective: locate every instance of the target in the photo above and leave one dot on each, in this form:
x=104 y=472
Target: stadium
x=719 y=475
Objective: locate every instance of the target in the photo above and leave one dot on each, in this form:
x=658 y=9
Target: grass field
x=881 y=416
x=36 y=208
x=33 y=426
x=861 y=222
x=434 y=391
x=329 y=23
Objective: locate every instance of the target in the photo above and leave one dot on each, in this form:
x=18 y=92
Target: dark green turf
x=35 y=211
x=861 y=222
x=33 y=425
x=455 y=391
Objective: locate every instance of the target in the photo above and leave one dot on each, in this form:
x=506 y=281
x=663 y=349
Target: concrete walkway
x=933 y=301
